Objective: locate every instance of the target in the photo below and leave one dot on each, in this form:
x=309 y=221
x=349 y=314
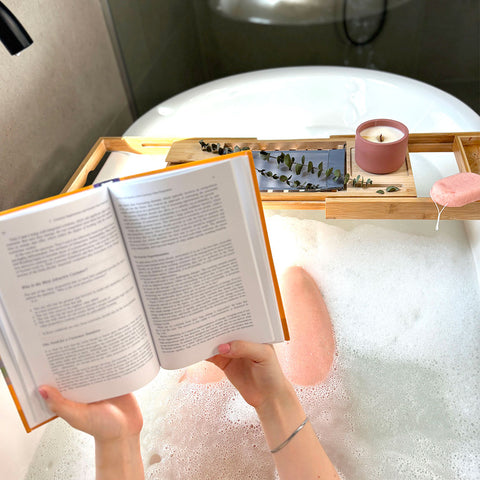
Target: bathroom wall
x=159 y=41
x=171 y=45
x=56 y=98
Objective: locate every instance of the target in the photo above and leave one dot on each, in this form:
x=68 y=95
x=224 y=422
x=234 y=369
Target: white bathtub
x=304 y=102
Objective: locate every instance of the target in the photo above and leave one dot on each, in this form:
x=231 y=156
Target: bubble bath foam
x=401 y=401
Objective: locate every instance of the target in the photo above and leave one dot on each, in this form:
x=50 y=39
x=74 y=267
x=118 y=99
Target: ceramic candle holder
x=381 y=145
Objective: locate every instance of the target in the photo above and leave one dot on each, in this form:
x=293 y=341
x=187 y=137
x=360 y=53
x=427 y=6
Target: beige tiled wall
x=56 y=98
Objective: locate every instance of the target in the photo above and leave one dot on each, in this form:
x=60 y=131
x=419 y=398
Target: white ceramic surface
x=304 y=102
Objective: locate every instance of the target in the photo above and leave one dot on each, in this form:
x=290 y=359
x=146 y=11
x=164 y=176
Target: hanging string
x=439 y=213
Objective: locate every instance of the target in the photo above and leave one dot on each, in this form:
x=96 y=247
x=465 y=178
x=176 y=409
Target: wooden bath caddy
x=351 y=203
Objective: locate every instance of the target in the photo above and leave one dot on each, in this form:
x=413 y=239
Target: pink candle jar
x=381 y=145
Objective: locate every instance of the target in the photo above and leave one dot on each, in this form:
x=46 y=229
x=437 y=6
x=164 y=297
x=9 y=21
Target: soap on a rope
x=456 y=190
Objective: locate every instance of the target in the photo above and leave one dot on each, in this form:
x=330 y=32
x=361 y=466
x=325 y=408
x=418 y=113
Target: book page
x=71 y=311
x=259 y=241
x=193 y=260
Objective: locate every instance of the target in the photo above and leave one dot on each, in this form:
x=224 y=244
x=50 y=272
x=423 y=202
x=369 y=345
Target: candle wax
x=388 y=134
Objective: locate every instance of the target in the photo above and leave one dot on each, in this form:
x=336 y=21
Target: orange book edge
x=281 y=309
x=19 y=408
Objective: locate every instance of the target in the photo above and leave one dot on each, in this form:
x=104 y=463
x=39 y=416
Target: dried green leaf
x=337 y=174
x=329 y=172
x=392 y=188
x=346 y=178
x=320 y=169
x=381 y=192
x=283 y=178
x=298 y=168
x=310 y=165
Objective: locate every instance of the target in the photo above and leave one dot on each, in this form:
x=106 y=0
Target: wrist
x=280 y=415
x=280 y=401
x=118 y=458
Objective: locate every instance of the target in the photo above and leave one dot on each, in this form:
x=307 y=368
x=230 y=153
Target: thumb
x=68 y=410
x=256 y=352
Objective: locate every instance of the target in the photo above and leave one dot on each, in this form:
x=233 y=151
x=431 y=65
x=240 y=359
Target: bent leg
x=307 y=358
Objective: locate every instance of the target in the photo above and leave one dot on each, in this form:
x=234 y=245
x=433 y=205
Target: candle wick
x=380 y=138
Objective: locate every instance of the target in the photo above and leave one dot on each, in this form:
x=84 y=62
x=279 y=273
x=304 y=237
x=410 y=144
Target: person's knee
x=297 y=277
x=308 y=357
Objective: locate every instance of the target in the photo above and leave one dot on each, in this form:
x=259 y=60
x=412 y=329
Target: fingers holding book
x=106 y=420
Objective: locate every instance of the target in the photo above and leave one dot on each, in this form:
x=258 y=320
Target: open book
x=102 y=287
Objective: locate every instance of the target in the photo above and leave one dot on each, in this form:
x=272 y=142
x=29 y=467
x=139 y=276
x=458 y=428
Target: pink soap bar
x=456 y=190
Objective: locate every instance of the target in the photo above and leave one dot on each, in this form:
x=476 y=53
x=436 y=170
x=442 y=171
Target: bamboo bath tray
x=351 y=203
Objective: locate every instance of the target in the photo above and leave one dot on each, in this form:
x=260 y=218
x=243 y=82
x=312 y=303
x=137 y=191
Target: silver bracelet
x=277 y=449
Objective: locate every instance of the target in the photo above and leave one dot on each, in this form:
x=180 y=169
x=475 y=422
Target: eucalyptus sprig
x=221 y=150
x=288 y=180
x=361 y=182
x=391 y=188
x=296 y=167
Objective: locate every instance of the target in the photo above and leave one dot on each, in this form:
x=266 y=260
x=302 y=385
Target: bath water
x=401 y=401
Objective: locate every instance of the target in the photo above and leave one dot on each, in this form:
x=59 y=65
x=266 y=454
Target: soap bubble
x=401 y=400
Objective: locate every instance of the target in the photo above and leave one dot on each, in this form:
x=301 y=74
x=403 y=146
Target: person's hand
x=253 y=369
x=114 y=423
x=105 y=420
